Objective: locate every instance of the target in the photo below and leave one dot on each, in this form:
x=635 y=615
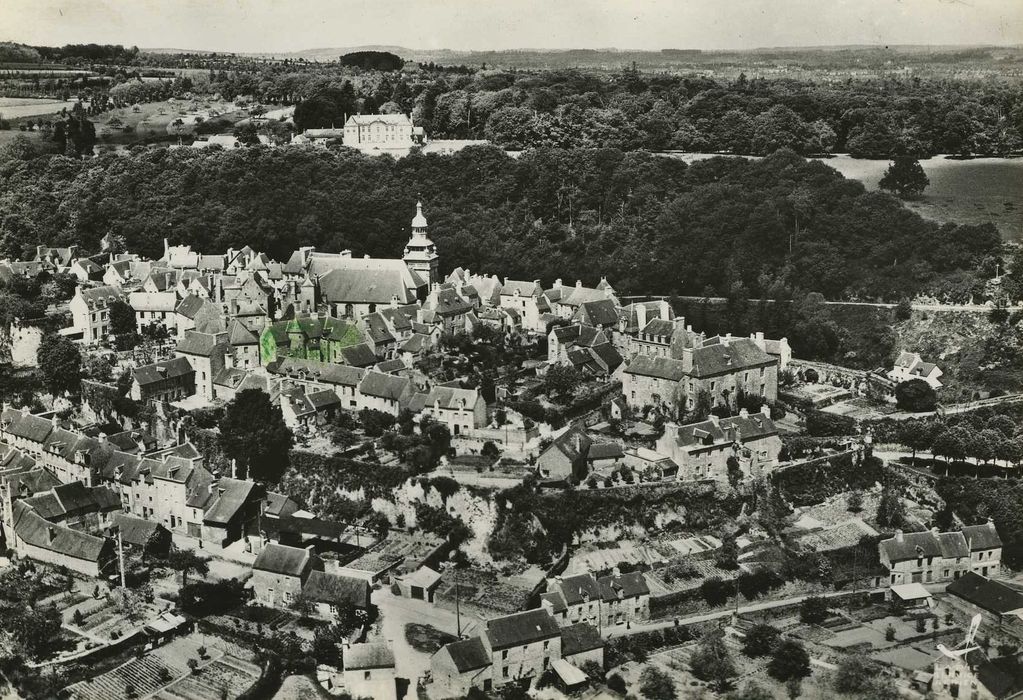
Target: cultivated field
x=21 y=107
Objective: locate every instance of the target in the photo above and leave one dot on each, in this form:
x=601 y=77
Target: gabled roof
x=360 y=657
x=523 y=289
x=231 y=496
x=335 y=589
x=239 y=335
x=573 y=443
x=325 y=372
x=992 y=596
x=386 y=386
x=164 y=369
x=360 y=355
x=201 y=344
x=725 y=430
x=718 y=358
x=578 y=638
x=391 y=119
x=521 y=628
x=282 y=559
x=982 y=536
x=467 y=654
x=657 y=367
x=190 y=306
x=36 y=531
x=134 y=530
x=601 y=312
x=452 y=397
x=629 y=585
x=153 y=301
x=99 y=295
x=366 y=280
x=911 y=546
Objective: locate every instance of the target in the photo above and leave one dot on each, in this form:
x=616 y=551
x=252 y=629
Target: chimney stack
x=899 y=537
x=641 y=315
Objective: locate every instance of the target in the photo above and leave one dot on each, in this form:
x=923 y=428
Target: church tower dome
x=420 y=252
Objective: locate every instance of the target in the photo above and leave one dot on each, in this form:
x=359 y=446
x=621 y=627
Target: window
x=504 y=671
x=504 y=654
x=365 y=675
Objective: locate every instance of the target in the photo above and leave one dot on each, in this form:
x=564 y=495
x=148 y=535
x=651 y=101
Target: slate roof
x=368 y=281
x=100 y=295
x=452 y=397
x=450 y=303
x=331 y=588
x=227 y=504
x=467 y=654
x=360 y=355
x=579 y=588
x=239 y=335
x=382 y=385
x=417 y=342
x=992 y=596
x=201 y=344
x=953 y=545
x=908 y=548
x=135 y=531
x=982 y=536
x=657 y=367
x=630 y=585
x=164 y=369
x=578 y=638
x=282 y=559
x=521 y=628
x=190 y=305
x=153 y=301
x=325 y=372
x=605 y=450
x=598 y=313
x=360 y=657
x=34 y=529
x=568 y=445
x=739 y=354
x=707 y=432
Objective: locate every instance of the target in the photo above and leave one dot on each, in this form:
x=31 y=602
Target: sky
x=293 y=25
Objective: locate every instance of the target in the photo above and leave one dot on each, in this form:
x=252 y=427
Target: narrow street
x=622 y=631
x=396 y=612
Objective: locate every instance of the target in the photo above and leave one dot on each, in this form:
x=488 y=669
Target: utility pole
x=120 y=555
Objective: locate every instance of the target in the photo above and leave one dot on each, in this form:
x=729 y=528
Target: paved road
x=621 y=630
x=974 y=308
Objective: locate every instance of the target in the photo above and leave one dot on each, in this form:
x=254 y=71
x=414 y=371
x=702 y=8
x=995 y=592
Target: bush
x=760 y=640
x=915 y=396
x=821 y=424
x=617 y=684
x=813 y=610
x=715 y=591
x=790 y=660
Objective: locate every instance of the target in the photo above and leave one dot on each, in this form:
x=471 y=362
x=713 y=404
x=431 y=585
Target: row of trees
x=981 y=436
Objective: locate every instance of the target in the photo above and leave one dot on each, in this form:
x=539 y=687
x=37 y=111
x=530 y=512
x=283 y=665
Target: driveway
x=396 y=612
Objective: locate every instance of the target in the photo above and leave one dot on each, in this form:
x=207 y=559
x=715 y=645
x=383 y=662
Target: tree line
x=727 y=226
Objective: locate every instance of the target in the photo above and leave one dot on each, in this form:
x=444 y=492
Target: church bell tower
x=420 y=252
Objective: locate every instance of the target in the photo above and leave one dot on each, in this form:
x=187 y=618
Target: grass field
x=974 y=191
x=964 y=191
x=22 y=107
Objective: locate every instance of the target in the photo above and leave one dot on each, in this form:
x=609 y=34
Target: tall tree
x=712 y=661
x=60 y=361
x=253 y=432
x=905 y=177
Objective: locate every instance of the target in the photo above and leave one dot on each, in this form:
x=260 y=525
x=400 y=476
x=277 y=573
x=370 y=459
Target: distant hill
x=608 y=57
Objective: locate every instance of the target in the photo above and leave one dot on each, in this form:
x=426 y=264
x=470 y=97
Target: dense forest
x=882 y=113
x=651 y=224
x=875 y=118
